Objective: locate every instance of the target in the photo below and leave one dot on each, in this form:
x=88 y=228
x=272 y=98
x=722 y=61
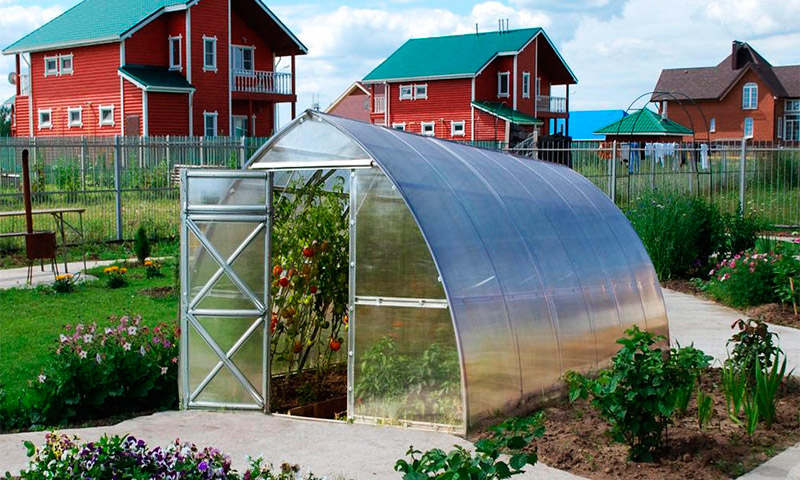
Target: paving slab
x=329 y=448
x=17 y=277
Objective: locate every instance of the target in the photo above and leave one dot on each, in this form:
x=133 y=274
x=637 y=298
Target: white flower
x=108 y=330
x=87 y=338
x=42 y=377
x=142 y=350
x=131 y=330
x=126 y=346
x=98 y=358
x=62 y=338
x=164 y=370
x=82 y=354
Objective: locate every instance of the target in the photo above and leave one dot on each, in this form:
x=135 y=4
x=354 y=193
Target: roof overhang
x=351 y=89
x=419 y=79
x=280 y=24
x=553 y=46
x=56 y=46
x=153 y=88
x=509 y=114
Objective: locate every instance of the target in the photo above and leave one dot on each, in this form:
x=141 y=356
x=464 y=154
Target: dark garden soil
x=158 y=292
x=575 y=441
x=775 y=313
x=305 y=388
x=684 y=286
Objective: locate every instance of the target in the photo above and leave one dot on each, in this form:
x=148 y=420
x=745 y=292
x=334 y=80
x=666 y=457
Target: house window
x=175 y=53
x=65 y=64
x=74 y=117
x=210 y=54
x=791 y=121
x=243 y=59
x=107 y=115
x=748 y=127
x=712 y=125
x=421 y=91
x=502 y=84
x=457 y=129
x=399 y=126
x=780 y=127
x=792 y=106
x=239 y=126
x=428 y=129
x=526 y=85
x=50 y=66
x=406 y=92
x=45 y=118
x=749 y=96
x=210 y=124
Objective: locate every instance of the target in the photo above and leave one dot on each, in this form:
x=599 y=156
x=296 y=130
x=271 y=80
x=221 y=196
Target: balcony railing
x=380 y=104
x=255 y=81
x=546 y=103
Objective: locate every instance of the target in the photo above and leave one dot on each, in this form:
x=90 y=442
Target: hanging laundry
x=704 y=162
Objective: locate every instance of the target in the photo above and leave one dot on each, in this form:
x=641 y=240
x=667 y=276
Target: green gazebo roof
x=644 y=122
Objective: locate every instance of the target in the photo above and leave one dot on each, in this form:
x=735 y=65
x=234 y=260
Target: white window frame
x=66 y=71
x=214 y=116
x=748 y=120
x=79 y=122
x=500 y=76
x=712 y=125
x=417 y=94
x=51 y=72
x=526 y=84
x=206 y=66
x=750 y=96
x=792 y=106
x=173 y=65
x=780 y=127
x=49 y=123
x=406 y=92
x=399 y=126
x=106 y=108
x=426 y=125
x=242 y=48
x=462 y=127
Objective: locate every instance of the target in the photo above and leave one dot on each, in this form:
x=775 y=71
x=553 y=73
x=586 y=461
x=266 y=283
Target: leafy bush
x=682 y=233
x=100 y=372
x=639 y=393
x=141 y=245
x=152 y=269
x=787 y=270
x=512 y=437
x=64 y=283
x=752 y=343
x=127 y=457
x=744 y=280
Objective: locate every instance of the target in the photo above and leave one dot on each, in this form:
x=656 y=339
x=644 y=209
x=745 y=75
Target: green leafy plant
x=753 y=344
x=64 y=283
x=787 y=271
x=116 y=276
x=744 y=279
x=141 y=245
x=734 y=388
x=152 y=269
x=768 y=380
x=512 y=436
x=639 y=393
x=705 y=409
x=751 y=413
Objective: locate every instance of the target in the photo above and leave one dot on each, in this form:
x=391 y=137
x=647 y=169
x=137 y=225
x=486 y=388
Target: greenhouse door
x=225 y=224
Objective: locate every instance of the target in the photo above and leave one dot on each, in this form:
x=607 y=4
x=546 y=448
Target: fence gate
x=225 y=242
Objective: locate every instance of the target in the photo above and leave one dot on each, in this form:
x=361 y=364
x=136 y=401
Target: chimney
x=737 y=46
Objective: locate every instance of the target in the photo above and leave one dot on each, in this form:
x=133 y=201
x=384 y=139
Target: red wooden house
x=155 y=67
x=354 y=103
x=744 y=96
x=493 y=86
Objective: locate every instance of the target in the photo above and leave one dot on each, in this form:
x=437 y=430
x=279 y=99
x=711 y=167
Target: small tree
x=141 y=245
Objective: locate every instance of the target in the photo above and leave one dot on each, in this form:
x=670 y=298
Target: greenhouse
x=428 y=283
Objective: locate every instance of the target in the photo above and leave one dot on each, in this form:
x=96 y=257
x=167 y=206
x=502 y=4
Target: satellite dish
x=12 y=78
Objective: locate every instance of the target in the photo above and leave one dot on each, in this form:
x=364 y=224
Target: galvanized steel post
x=613 y=180
x=118 y=185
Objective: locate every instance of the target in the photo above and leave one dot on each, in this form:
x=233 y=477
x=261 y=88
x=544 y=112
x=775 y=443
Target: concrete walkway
x=363 y=451
x=17 y=277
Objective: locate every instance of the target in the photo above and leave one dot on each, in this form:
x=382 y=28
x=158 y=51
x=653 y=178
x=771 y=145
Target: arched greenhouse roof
x=541 y=271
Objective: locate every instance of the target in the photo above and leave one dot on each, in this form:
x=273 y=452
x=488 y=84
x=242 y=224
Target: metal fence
x=121 y=182
x=761 y=179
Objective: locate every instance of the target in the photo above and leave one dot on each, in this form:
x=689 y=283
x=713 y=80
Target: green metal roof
x=501 y=110
x=155 y=79
x=644 y=122
x=91 y=21
x=450 y=56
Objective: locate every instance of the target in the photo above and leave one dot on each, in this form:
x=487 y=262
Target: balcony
x=260 y=82
x=548 y=104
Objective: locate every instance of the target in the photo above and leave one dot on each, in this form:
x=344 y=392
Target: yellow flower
x=65 y=276
x=107 y=270
x=114 y=268
x=148 y=263
x=123 y=270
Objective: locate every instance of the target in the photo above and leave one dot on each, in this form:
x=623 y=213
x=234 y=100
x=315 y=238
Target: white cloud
x=756 y=17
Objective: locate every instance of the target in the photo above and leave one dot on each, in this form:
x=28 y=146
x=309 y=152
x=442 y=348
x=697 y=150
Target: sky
x=616 y=48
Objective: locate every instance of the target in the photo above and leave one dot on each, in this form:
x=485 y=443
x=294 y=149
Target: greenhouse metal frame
x=504 y=271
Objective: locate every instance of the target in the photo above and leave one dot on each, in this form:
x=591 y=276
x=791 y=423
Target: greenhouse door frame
x=260 y=216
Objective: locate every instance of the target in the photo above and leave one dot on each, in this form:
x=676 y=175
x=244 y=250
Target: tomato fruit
x=335 y=344
x=297 y=348
x=313 y=289
x=283 y=282
x=277 y=270
x=308 y=252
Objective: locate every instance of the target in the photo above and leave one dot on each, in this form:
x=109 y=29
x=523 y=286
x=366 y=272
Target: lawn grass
x=32 y=319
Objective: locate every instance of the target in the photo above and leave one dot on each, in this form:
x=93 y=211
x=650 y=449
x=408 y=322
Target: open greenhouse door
x=225 y=244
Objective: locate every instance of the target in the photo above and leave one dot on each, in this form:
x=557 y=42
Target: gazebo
x=642 y=126
x=522 y=269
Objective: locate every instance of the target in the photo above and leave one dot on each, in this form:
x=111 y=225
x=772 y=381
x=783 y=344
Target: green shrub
x=101 y=372
x=639 y=393
x=64 y=457
x=116 y=276
x=64 y=283
x=752 y=344
x=787 y=271
x=510 y=437
x=744 y=280
x=141 y=245
x=152 y=269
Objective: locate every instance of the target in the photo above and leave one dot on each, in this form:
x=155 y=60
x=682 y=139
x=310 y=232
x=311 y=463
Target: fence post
x=742 y=175
x=243 y=152
x=118 y=185
x=613 y=180
x=83 y=163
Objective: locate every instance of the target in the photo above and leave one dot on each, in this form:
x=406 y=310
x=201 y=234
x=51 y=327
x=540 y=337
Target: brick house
x=743 y=96
x=493 y=86
x=354 y=103
x=154 y=67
